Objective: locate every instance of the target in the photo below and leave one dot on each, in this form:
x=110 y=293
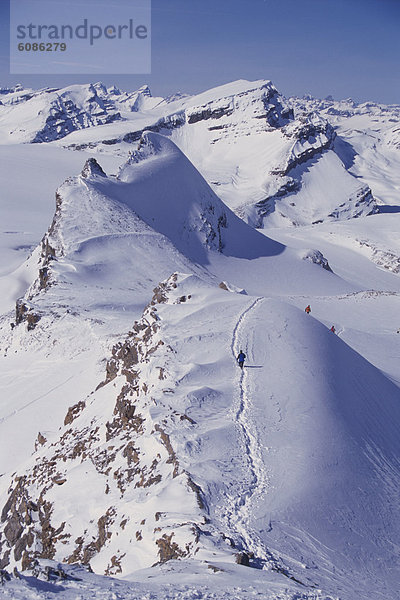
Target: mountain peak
x=145 y=90
x=165 y=189
x=91 y=169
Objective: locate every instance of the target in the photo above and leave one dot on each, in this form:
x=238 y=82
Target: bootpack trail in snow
x=248 y=492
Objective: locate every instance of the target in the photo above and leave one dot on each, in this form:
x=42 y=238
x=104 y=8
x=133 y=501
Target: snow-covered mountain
x=51 y=114
x=132 y=443
x=370 y=141
x=271 y=167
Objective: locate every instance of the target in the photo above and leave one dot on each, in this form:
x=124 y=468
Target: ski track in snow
x=239 y=506
x=18 y=410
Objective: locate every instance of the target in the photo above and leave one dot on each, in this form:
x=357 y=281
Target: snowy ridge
x=188 y=212
x=240 y=508
x=191 y=414
x=57 y=113
x=263 y=177
x=244 y=137
x=132 y=443
x=367 y=140
x=83 y=244
x=264 y=100
x=111 y=441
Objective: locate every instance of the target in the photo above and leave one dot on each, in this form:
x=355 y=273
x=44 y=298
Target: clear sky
x=346 y=48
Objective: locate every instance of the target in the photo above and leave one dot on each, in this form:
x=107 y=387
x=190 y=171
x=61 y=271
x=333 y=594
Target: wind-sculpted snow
x=132 y=443
x=170 y=195
x=313 y=445
x=245 y=140
x=175 y=582
x=97 y=256
x=159 y=185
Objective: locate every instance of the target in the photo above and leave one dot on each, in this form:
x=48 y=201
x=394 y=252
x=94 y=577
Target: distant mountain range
x=262 y=153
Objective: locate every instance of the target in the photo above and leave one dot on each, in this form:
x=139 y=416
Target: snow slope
x=130 y=437
x=93 y=282
x=290 y=462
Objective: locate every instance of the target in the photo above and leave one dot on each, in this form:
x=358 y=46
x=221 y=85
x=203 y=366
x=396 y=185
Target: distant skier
x=240 y=359
x=333 y=329
x=307 y=309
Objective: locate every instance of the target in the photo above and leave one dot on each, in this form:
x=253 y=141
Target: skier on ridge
x=307 y=309
x=333 y=329
x=240 y=359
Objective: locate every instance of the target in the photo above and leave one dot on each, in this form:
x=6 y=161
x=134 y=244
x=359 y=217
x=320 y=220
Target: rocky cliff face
x=311 y=135
x=258 y=153
x=228 y=112
x=260 y=102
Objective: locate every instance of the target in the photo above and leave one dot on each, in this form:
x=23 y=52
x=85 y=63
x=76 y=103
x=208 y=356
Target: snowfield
x=137 y=459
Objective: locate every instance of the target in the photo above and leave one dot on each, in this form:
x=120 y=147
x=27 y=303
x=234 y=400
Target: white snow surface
x=294 y=460
x=262 y=160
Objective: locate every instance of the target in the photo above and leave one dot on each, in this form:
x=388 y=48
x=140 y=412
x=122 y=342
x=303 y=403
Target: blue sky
x=346 y=48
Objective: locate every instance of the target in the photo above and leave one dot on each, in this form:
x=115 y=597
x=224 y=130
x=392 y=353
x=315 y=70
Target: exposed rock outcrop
x=267 y=105
x=316 y=257
x=68 y=112
x=91 y=169
x=26 y=313
x=268 y=109
x=312 y=135
x=130 y=454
